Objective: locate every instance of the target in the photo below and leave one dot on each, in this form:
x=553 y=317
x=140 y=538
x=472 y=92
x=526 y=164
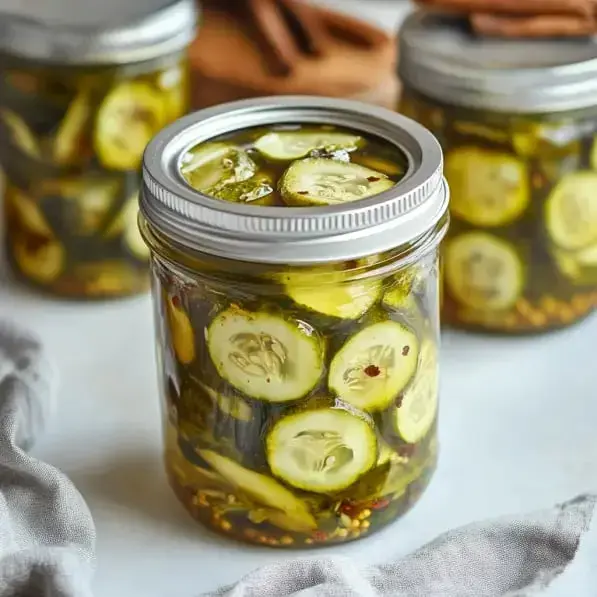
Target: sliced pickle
x=571 y=211
x=294 y=145
x=70 y=138
x=40 y=259
x=580 y=267
x=130 y=115
x=265 y=356
x=126 y=224
x=405 y=304
x=255 y=191
x=212 y=165
x=483 y=271
x=323 y=450
x=233 y=406
x=387 y=167
x=172 y=84
x=181 y=331
x=374 y=365
x=318 y=181
x=89 y=201
x=418 y=407
x=20 y=133
x=344 y=299
x=28 y=212
x=260 y=488
x=488 y=188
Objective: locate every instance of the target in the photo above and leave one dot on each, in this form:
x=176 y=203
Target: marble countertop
x=517 y=433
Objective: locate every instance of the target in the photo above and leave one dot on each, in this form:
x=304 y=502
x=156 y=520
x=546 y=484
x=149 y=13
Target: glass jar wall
x=521 y=256
x=299 y=393
x=294 y=463
x=72 y=134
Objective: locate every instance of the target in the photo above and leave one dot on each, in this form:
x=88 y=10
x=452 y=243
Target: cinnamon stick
x=309 y=28
x=533 y=26
x=513 y=7
x=353 y=30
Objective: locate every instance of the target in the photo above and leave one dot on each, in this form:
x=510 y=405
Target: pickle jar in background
x=517 y=123
x=82 y=91
x=294 y=260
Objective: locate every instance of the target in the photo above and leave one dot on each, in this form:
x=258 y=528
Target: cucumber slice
x=375 y=365
x=571 y=211
x=216 y=164
x=323 y=451
x=181 y=331
x=318 y=181
x=489 y=188
x=27 y=211
x=130 y=115
x=264 y=490
x=41 y=260
x=418 y=408
x=256 y=191
x=265 y=356
x=294 y=145
x=69 y=141
x=344 y=300
x=483 y=271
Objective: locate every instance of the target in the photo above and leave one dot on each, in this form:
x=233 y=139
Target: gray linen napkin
x=509 y=557
x=47 y=535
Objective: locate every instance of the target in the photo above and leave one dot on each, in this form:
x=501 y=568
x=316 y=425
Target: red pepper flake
x=349 y=509
x=319 y=536
x=176 y=302
x=373 y=178
x=405 y=350
x=379 y=504
x=372 y=370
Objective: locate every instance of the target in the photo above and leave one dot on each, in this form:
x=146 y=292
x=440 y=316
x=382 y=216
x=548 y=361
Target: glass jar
x=82 y=91
x=297 y=346
x=517 y=121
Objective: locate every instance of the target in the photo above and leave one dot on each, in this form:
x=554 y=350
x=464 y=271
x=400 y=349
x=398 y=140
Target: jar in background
x=517 y=122
x=297 y=347
x=82 y=91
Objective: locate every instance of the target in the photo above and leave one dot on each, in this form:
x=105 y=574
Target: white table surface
x=517 y=433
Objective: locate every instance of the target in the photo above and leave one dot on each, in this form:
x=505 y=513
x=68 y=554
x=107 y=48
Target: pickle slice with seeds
x=260 y=488
x=319 y=181
x=294 y=145
x=255 y=191
x=374 y=365
x=40 y=259
x=489 y=189
x=418 y=407
x=483 y=271
x=213 y=165
x=265 y=356
x=232 y=406
x=571 y=211
x=130 y=115
x=323 y=450
x=181 y=331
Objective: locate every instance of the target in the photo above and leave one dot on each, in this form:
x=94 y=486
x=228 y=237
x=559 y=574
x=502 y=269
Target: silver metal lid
x=441 y=57
x=293 y=234
x=85 y=32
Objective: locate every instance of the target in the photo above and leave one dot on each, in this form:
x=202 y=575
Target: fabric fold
x=47 y=535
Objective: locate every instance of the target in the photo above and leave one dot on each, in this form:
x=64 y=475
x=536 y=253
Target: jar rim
x=293 y=234
x=440 y=57
x=90 y=33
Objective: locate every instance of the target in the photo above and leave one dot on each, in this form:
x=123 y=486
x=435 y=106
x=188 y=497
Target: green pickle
x=301 y=401
x=521 y=254
x=71 y=144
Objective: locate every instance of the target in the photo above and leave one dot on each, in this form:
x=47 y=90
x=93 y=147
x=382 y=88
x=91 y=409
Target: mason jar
x=82 y=91
x=294 y=248
x=517 y=121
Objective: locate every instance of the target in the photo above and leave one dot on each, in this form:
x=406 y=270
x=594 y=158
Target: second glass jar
x=72 y=134
x=521 y=162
